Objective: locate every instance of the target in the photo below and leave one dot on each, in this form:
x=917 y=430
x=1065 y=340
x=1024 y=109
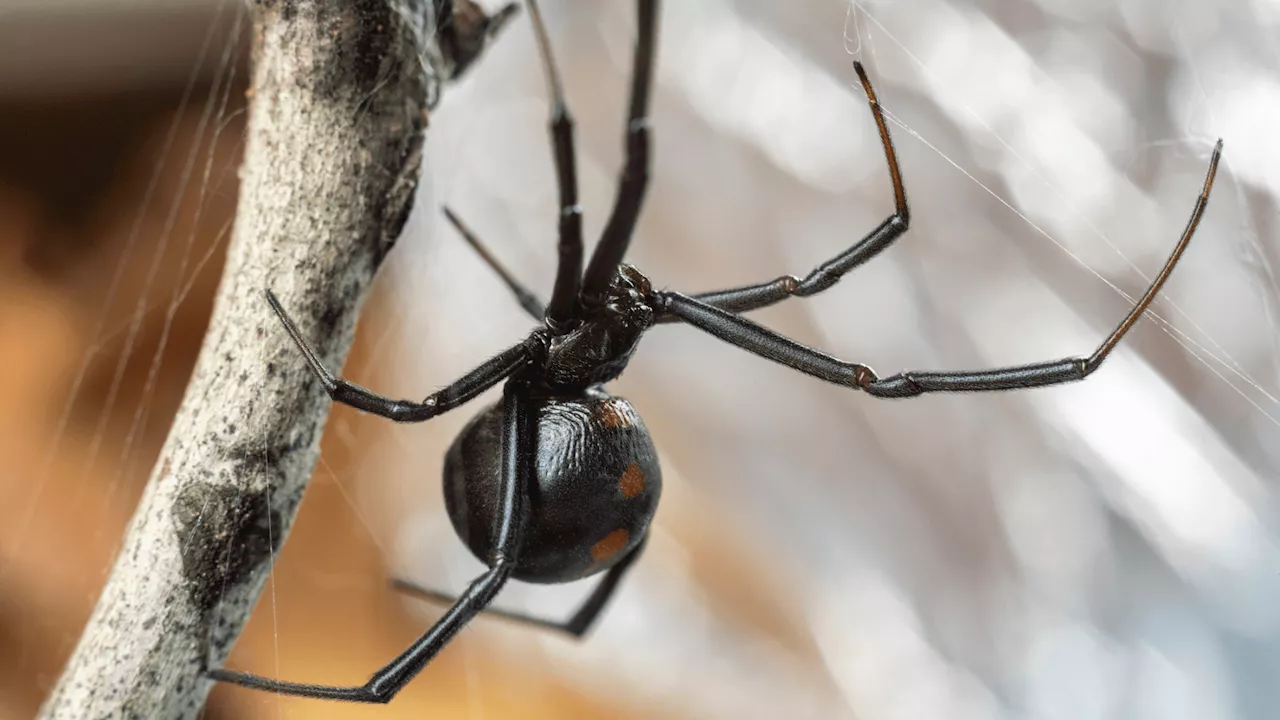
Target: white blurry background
x=1101 y=550
x=1106 y=549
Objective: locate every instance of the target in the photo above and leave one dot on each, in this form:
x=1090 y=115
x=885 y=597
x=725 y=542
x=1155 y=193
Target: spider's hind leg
x=518 y=447
x=577 y=625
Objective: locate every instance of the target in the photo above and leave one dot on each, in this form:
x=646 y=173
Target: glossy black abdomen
x=597 y=487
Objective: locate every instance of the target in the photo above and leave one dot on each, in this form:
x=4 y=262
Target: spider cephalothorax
x=599 y=345
x=560 y=480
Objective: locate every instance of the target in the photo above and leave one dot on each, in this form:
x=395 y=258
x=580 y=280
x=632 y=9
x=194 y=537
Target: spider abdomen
x=596 y=490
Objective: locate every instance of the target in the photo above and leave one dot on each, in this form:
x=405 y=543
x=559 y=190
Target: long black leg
x=752 y=297
x=577 y=624
x=635 y=174
x=564 y=297
x=488 y=374
x=766 y=343
x=524 y=296
x=518 y=451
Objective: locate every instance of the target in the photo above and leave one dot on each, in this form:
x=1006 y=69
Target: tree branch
x=341 y=95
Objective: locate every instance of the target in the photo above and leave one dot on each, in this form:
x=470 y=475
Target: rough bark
x=341 y=96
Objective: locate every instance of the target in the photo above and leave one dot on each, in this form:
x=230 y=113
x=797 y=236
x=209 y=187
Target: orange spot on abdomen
x=632 y=482
x=609 y=545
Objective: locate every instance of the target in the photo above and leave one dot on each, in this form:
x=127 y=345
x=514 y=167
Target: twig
x=341 y=95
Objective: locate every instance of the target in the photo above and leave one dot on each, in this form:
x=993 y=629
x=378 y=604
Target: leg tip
x=866 y=83
x=220 y=675
x=1213 y=169
x=461 y=227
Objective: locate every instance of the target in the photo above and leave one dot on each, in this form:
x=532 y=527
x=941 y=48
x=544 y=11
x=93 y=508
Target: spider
x=560 y=480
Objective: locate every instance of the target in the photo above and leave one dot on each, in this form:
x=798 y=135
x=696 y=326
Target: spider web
x=990 y=557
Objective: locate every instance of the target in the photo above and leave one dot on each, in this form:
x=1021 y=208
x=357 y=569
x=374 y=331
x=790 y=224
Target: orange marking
x=613 y=415
x=609 y=545
x=632 y=481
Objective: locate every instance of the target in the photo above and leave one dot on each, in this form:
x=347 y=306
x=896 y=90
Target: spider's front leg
x=564 y=296
x=634 y=182
x=769 y=344
x=753 y=297
x=488 y=374
x=518 y=456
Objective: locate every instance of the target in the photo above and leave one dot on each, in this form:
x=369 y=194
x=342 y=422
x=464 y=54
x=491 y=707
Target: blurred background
x=1109 y=549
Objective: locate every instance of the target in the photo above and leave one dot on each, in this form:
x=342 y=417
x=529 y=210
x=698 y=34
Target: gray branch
x=342 y=91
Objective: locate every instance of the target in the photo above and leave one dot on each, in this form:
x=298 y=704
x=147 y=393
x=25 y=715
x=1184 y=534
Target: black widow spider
x=560 y=480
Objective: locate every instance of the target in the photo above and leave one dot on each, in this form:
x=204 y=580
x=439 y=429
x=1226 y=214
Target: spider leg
x=752 y=297
x=564 y=296
x=524 y=296
x=635 y=174
x=518 y=451
x=577 y=624
x=769 y=344
x=485 y=376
